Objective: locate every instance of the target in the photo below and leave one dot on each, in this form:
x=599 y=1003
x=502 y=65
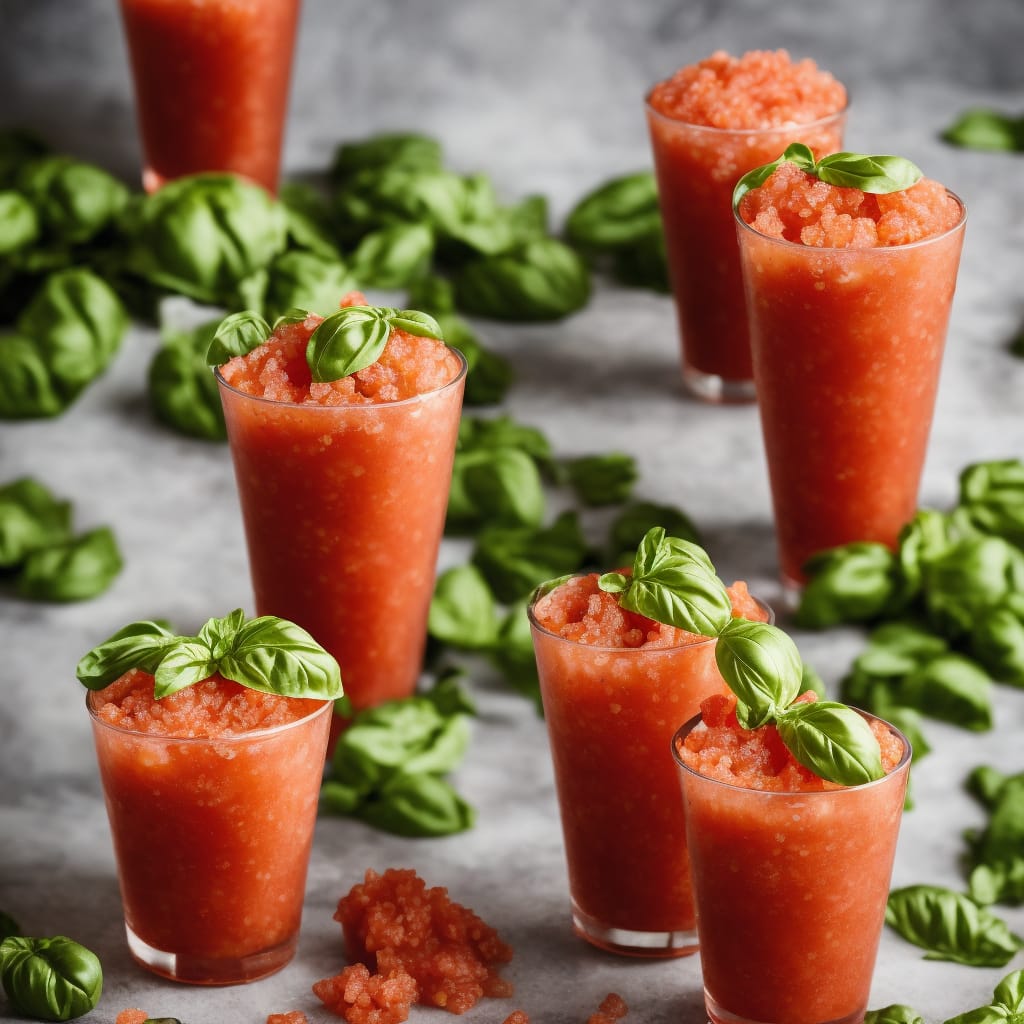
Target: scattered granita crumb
x=364 y=998
x=131 y=1016
x=291 y=1017
x=516 y=1017
x=613 y=1008
x=394 y=923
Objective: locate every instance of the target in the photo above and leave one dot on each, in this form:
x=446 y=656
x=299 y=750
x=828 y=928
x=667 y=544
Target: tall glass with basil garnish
x=211 y=751
x=342 y=432
x=623 y=659
x=849 y=264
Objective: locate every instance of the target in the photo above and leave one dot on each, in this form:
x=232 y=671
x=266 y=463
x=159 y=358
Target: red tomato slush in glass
x=709 y=124
x=849 y=296
x=344 y=487
x=212 y=798
x=211 y=85
x=790 y=873
x=615 y=686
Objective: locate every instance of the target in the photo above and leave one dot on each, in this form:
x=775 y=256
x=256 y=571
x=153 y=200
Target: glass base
x=625 y=942
x=210 y=971
x=709 y=387
x=719 y=1015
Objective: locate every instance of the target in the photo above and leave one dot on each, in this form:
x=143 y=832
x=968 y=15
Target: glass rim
x=687 y=727
x=540 y=592
x=712 y=129
x=904 y=247
x=237 y=737
x=354 y=407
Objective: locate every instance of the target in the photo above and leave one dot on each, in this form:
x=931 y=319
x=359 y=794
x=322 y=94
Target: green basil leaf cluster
x=488 y=374
x=47 y=560
x=950 y=926
x=301 y=279
x=266 y=653
x=1007 y=1006
x=896 y=1013
x=183 y=392
x=53 y=979
x=983 y=128
x=875 y=174
x=602 y=479
x=636 y=518
x=64 y=337
x=389 y=764
x=206 y=236
x=996 y=852
x=618 y=225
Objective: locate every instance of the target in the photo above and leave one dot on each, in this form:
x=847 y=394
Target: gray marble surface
x=544 y=97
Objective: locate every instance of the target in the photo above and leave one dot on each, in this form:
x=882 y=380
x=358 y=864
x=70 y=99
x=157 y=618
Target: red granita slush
x=849 y=296
x=709 y=124
x=211 y=84
x=343 y=488
x=615 y=686
x=790 y=873
x=212 y=797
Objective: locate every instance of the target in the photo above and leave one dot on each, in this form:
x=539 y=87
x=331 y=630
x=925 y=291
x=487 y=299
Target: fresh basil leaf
x=674 y=582
x=278 y=656
x=138 y=645
x=634 y=520
x=992 y=497
x=539 y=280
x=418 y=805
x=204 y=234
x=489 y=375
x=927 y=536
x=796 y=153
x=433 y=293
x=875 y=174
x=513 y=655
x=500 y=487
x=30 y=518
x=489 y=435
x=811 y=682
x=389 y=149
x=602 y=479
x=8 y=926
x=515 y=559
x=307 y=281
x=445 y=751
x=1009 y=993
x=221 y=634
x=20 y=221
x=185 y=661
x=237 y=335
x=643 y=263
x=852 y=583
x=77 y=322
x=347 y=341
x=896 y=1013
x=981 y=128
x=952 y=689
x=997 y=640
x=462 y=610
x=985 y=784
x=50 y=979
x=412 y=321
x=449 y=696
x=393 y=256
x=619 y=212
x=1001 y=882
x=762 y=666
x=1002 y=840
x=182 y=389
x=831 y=740
x=27 y=388
x=339 y=797
x=72 y=570
x=950 y=927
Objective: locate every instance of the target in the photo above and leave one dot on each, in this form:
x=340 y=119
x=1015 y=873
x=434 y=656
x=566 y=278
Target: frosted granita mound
x=580 y=611
x=761 y=89
x=410 y=365
x=795 y=206
x=721 y=749
x=214 y=707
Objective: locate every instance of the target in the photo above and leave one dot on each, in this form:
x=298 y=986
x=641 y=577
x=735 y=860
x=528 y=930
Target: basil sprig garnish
x=674 y=582
x=354 y=337
x=266 y=653
x=876 y=174
x=237 y=335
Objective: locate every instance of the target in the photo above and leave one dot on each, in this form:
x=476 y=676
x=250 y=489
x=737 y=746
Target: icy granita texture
x=761 y=89
x=131 y=1016
x=214 y=707
x=757 y=758
x=421 y=945
x=580 y=611
x=613 y=1008
x=277 y=370
x=797 y=207
x=291 y=1017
